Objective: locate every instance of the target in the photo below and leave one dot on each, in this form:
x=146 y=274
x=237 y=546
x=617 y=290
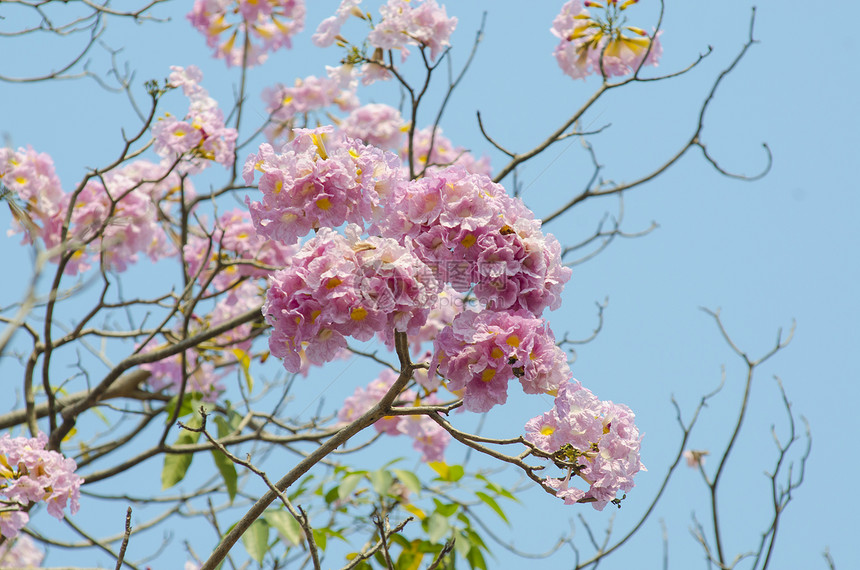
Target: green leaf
x=190 y=404
x=256 y=540
x=463 y=545
x=476 y=539
x=497 y=489
x=381 y=481
x=177 y=464
x=408 y=561
x=409 y=479
x=331 y=495
x=224 y=428
x=445 y=509
x=350 y=482
x=476 y=559
x=286 y=525
x=400 y=540
x=437 y=527
x=319 y=538
x=228 y=472
x=491 y=502
x=455 y=473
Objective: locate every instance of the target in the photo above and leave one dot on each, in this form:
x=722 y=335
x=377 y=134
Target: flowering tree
x=343 y=231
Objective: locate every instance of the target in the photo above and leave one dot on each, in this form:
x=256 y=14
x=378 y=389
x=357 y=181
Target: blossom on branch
x=434 y=151
x=20 y=552
x=477 y=236
x=168 y=373
x=113 y=218
x=318 y=181
x=595 y=440
x=339 y=287
x=201 y=136
x=482 y=351
x=260 y=25
x=428 y=437
x=601 y=45
x=329 y=29
x=376 y=124
x=28 y=474
x=32 y=177
x=402 y=23
x=236 y=245
x=306 y=95
x=412 y=23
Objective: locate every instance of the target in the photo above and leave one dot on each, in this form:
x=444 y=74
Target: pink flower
x=428 y=437
x=167 y=374
x=413 y=23
x=31 y=176
x=173 y=136
x=478 y=237
x=34 y=474
x=202 y=135
x=113 y=223
x=598 y=438
x=482 y=351
x=376 y=124
x=329 y=28
x=695 y=457
x=318 y=182
x=338 y=287
x=20 y=552
x=270 y=25
x=442 y=154
x=585 y=40
x=236 y=244
x=306 y=95
x=365 y=398
x=11 y=522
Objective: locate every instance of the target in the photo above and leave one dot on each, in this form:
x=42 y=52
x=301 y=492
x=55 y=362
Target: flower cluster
x=118 y=220
x=482 y=351
x=449 y=303
x=309 y=94
x=600 y=45
x=209 y=362
x=31 y=176
x=28 y=474
x=339 y=287
x=468 y=227
x=403 y=23
x=376 y=124
x=597 y=440
x=20 y=552
x=234 y=244
x=433 y=150
x=428 y=437
x=309 y=186
x=201 y=136
x=407 y=23
x=262 y=26
x=113 y=217
x=167 y=374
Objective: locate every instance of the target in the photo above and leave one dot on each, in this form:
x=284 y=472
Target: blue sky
x=784 y=248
